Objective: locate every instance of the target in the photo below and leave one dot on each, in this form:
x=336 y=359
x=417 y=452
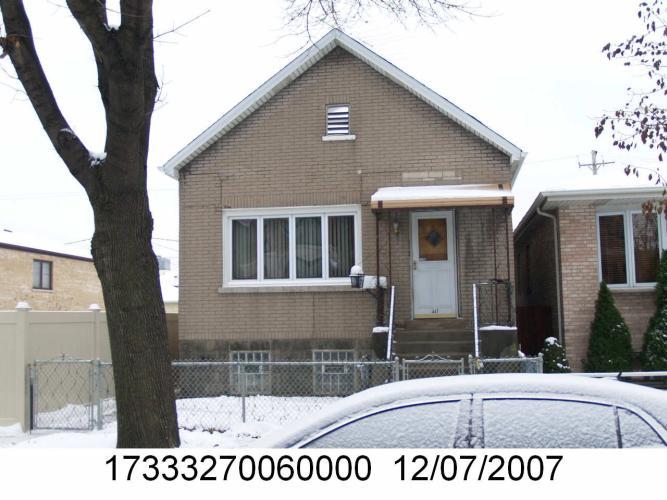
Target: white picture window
x=294 y=246
x=628 y=248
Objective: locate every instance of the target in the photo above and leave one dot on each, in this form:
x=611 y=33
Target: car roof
x=652 y=401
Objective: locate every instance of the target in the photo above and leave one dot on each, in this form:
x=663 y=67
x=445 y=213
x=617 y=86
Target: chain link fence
x=212 y=395
x=505 y=365
x=431 y=366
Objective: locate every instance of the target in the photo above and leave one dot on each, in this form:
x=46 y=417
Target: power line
x=55 y=194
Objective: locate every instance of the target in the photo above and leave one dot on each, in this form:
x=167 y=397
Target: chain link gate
x=70 y=394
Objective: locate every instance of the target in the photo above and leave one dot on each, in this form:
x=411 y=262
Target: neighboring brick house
x=49 y=277
x=339 y=159
x=601 y=235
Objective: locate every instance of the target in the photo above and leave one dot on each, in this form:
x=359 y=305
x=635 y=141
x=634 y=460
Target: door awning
x=465 y=195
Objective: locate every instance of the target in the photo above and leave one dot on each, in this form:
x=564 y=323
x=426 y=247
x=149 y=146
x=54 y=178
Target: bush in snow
x=553 y=357
x=654 y=354
x=609 y=346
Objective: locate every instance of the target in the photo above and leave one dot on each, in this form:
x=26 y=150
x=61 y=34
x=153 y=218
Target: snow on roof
x=652 y=401
x=40 y=244
x=435 y=196
x=309 y=57
x=169 y=285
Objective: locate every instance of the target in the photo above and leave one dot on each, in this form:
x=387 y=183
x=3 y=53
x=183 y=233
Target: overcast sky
x=531 y=70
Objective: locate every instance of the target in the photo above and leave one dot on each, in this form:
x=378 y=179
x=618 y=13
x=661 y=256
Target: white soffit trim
x=552 y=199
x=336 y=38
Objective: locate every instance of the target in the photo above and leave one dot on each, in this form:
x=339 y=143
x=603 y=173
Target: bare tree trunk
x=128 y=270
x=116 y=188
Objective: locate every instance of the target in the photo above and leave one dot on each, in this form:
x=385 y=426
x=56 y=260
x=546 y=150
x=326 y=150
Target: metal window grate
x=338 y=120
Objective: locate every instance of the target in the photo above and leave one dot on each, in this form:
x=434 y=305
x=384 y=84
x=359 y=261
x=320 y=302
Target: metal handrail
x=391 y=324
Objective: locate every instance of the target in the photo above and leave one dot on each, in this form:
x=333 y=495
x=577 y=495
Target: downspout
x=554 y=220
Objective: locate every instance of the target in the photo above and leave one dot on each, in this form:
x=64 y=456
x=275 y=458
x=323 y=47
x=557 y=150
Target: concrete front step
x=445 y=337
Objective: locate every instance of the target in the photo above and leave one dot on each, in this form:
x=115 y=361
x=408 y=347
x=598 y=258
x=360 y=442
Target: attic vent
x=338 y=120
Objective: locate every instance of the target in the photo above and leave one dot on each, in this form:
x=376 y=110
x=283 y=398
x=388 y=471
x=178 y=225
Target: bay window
x=629 y=248
x=291 y=246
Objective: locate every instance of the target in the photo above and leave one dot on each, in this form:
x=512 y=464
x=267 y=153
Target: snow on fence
x=212 y=395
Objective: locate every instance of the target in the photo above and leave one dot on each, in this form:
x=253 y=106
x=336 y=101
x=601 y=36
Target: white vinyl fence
x=26 y=335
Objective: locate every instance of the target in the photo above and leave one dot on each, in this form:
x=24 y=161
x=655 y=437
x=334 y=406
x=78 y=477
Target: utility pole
x=594 y=165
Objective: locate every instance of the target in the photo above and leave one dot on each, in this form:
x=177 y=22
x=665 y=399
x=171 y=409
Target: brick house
x=600 y=235
x=48 y=276
x=339 y=159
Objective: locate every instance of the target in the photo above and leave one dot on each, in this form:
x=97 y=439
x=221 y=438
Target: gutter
x=554 y=220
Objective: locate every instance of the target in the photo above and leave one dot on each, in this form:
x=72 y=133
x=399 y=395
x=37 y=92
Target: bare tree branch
x=304 y=14
x=20 y=46
x=92 y=18
x=642 y=121
x=182 y=25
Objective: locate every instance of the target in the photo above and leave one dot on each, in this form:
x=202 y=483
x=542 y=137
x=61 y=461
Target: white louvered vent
x=338 y=120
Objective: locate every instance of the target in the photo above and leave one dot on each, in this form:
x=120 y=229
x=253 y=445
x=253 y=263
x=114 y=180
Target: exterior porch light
x=357 y=276
x=394 y=224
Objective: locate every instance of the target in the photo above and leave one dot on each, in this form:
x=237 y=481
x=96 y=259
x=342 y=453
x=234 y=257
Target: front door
x=433 y=265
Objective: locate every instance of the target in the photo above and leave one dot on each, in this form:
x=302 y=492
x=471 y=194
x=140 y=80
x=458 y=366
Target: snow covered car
x=489 y=411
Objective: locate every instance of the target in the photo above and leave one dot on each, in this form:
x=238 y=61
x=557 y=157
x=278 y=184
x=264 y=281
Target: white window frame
x=629 y=246
x=291 y=213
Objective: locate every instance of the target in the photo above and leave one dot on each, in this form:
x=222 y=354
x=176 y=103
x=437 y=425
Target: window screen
x=612 y=249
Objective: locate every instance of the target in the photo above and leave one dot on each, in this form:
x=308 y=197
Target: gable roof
x=308 y=58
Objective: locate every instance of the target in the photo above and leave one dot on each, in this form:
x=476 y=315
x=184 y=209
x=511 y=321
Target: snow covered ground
x=236 y=436
x=204 y=422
